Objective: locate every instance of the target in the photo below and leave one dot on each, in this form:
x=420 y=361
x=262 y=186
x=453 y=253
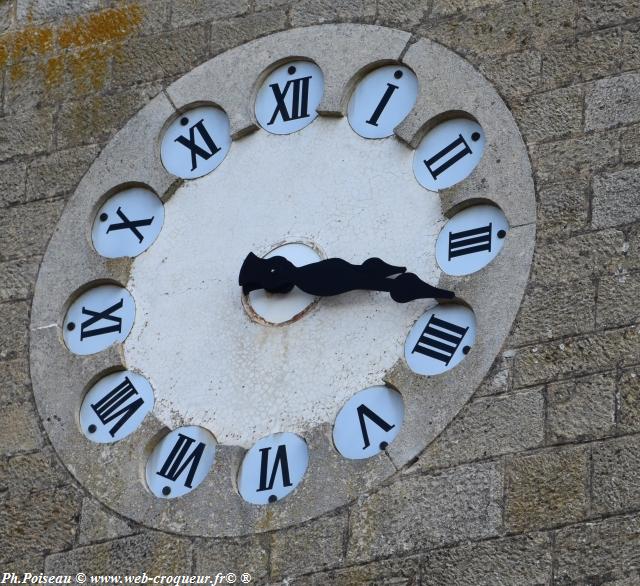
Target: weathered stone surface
x=19 y=431
x=13 y=182
x=615 y=198
x=574 y=158
x=189 y=12
x=514 y=75
x=158 y=57
x=594 y=14
x=29 y=474
x=563 y=208
x=449 y=7
x=516 y=560
x=312 y=547
x=581 y=409
x=94 y=120
x=58 y=173
x=307 y=12
x=630 y=52
x=18 y=277
x=489 y=427
x=29 y=11
x=6 y=16
x=499 y=378
x=578 y=257
x=154 y=553
x=618 y=300
x=461 y=503
x=99 y=524
x=32 y=565
x=551 y=115
x=15 y=381
x=616 y=475
x=612 y=102
x=26 y=134
x=403 y=14
x=609 y=548
x=14 y=325
x=551 y=311
x=234 y=32
x=232 y=555
x=629 y=391
x=576 y=356
x=396 y=572
x=39 y=523
x=546 y=489
x=25 y=229
x=589 y=57
x=630 y=144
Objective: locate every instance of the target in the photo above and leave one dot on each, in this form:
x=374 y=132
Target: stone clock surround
x=114 y=473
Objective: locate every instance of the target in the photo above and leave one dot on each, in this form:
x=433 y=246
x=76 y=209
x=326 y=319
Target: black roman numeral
x=440 y=339
x=196 y=150
x=469 y=241
x=454 y=158
x=382 y=104
x=131 y=225
x=299 y=100
x=364 y=411
x=114 y=405
x=97 y=316
x=279 y=462
x=179 y=459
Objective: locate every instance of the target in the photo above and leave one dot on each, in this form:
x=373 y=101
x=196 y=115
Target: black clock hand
x=334 y=276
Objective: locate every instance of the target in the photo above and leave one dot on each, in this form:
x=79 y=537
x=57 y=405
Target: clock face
x=398 y=230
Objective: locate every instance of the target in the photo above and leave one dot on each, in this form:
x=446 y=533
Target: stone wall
x=537 y=481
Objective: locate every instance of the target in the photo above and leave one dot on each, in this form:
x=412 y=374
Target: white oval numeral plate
x=440 y=339
x=196 y=142
x=382 y=100
x=368 y=422
x=471 y=239
x=180 y=461
x=289 y=97
x=128 y=223
x=98 y=318
x=273 y=468
x=448 y=153
x=115 y=406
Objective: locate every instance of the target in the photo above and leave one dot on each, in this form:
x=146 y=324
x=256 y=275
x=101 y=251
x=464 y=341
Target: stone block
x=514 y=75
x=34 y=564
x=489 y=427
x=235 y=31
x=629 y=397
x=595 y=14
x=546 y=489
x=12 y=186
x=250 y=554
x=394 y=572
x=307 y=12
x=19 y=430
x=551 y=115
x=39 y=523
x=460 y=503
x=579 y=257
x=449 y=7
x=189 y=12
x=25 y=229
x=15 y=381
x=6 y=16
x=605 y=549
x=553 y=310
x=404 y=14
x=159 y=57
x=581 y=409
x=618 y=300
x=576 y=356
x=58 y=173
x=616 y=475
x=515 y=560
x=612 y=102
x=14 y=326
x=315 y=546
x=630 y=144
x=630 y=53
x=154 y=553
x=31 y=474
x=615 y=198
x=26 y=134
x=96 y=119
x=563 y=208
x=499 y=378
x=99 y=524
x=588 y=57
x=268 y=4
x=32 y=11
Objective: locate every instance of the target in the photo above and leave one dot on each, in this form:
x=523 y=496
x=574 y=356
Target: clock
x=281 y=280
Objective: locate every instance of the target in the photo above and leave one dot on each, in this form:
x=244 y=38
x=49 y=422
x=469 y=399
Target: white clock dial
x=98 y=318
x=115 y=406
